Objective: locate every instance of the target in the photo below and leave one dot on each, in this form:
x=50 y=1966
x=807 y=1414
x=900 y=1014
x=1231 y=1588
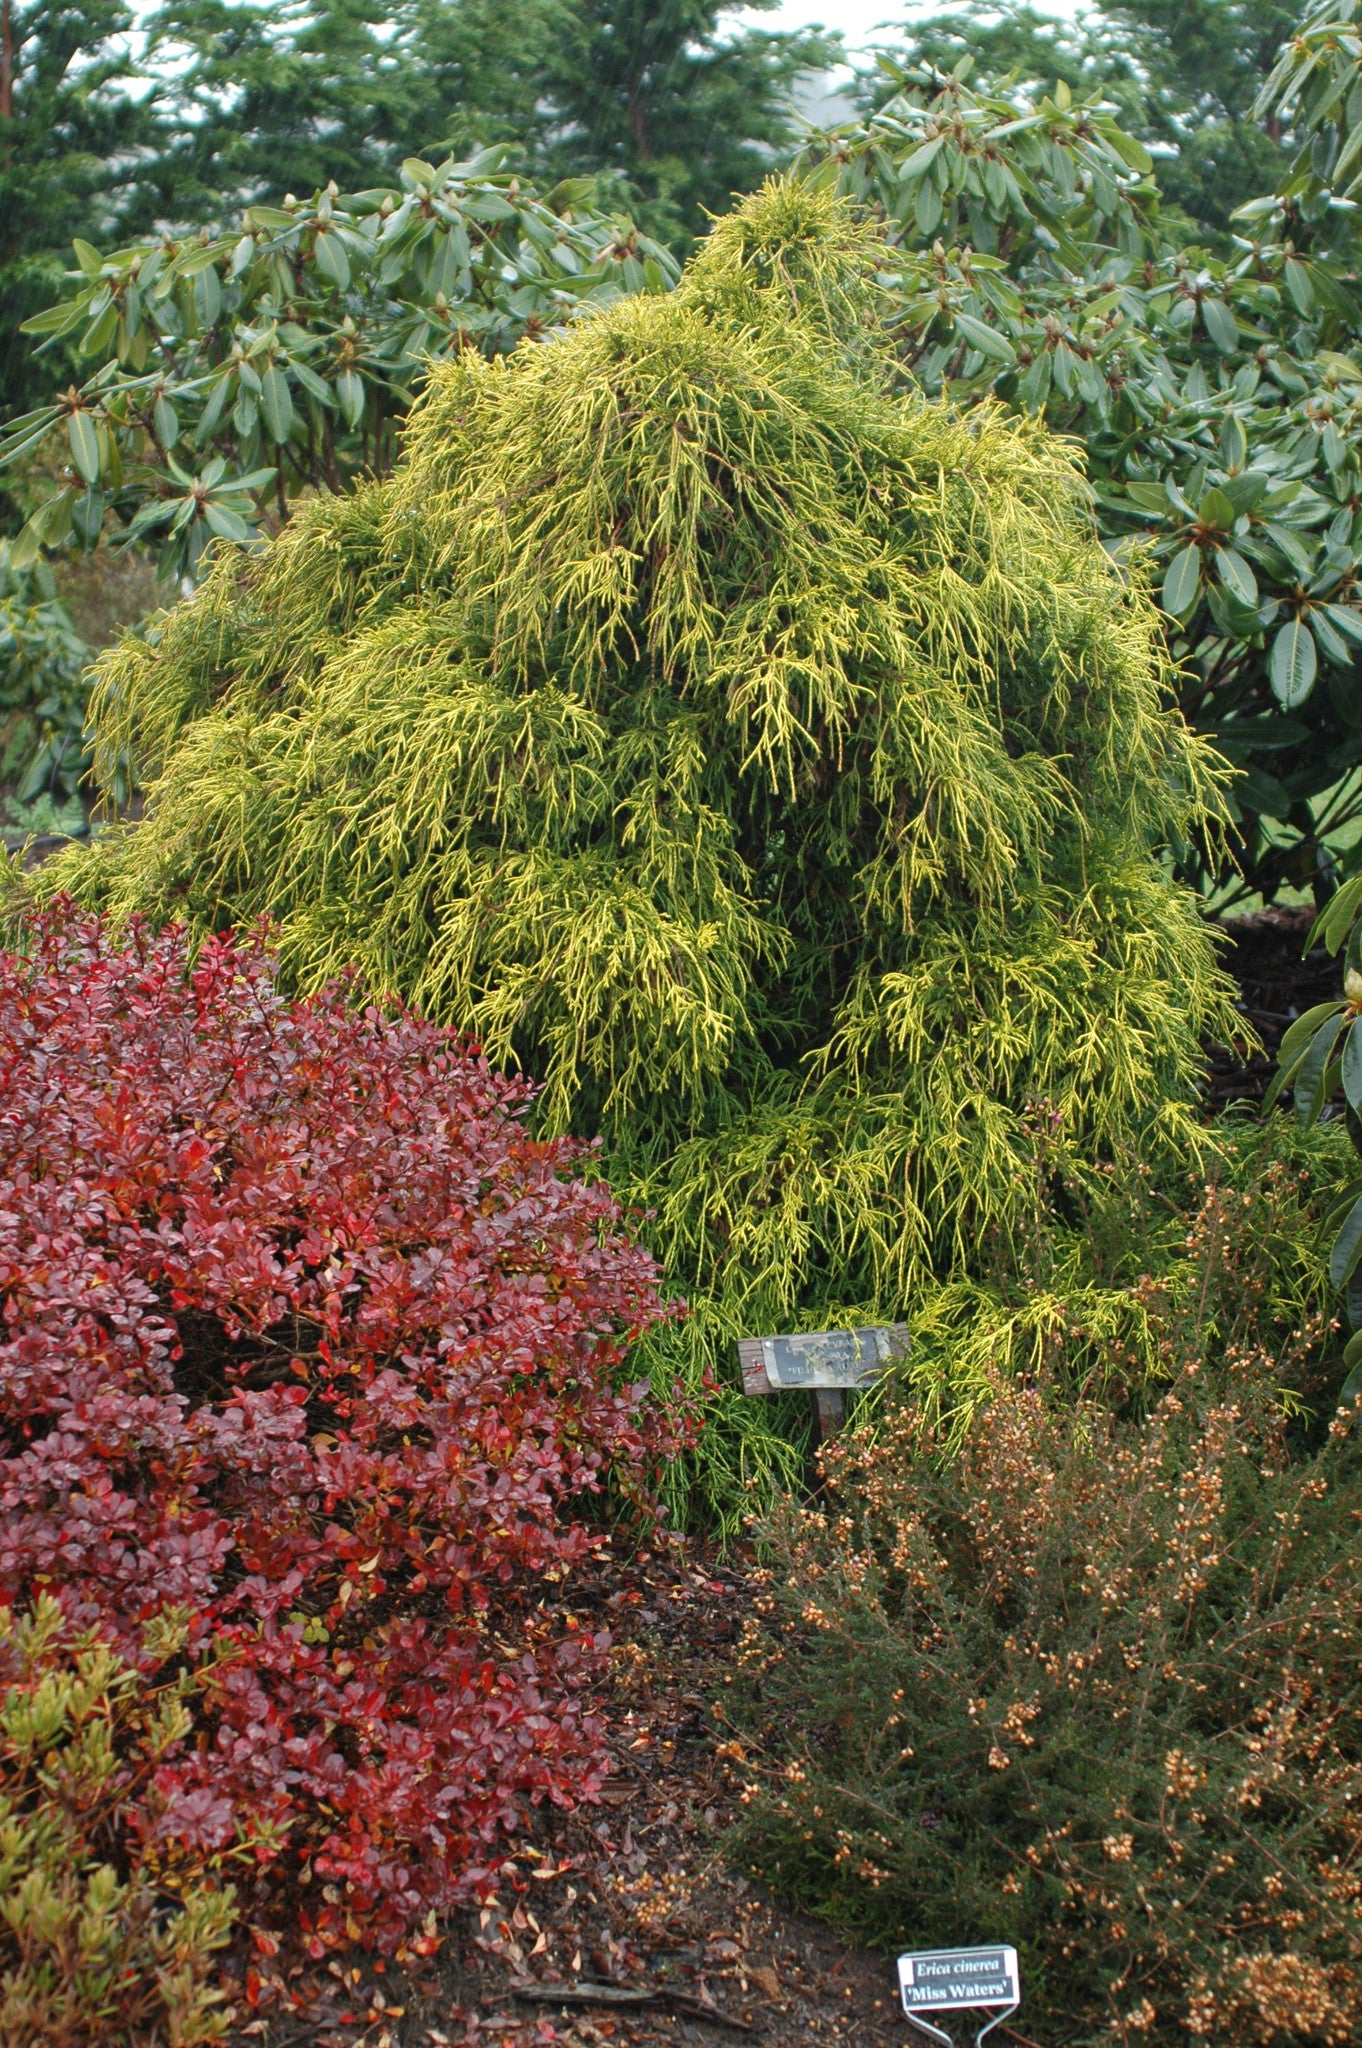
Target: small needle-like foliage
x=774 y=766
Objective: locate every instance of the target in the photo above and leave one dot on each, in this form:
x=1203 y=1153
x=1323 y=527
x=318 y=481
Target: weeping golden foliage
x=772 y=764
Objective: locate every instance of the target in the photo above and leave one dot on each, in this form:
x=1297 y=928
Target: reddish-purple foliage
x=306 y=1335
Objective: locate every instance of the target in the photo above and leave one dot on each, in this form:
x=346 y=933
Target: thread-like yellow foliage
x=773 y=765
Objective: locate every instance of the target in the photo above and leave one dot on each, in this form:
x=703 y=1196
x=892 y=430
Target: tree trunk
x=7 y=63
x=638 y=119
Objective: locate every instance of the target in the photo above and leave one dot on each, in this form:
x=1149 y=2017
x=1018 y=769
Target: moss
x=775 y=766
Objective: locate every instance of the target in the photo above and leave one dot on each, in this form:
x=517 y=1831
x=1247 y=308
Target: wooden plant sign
x=829 y=1363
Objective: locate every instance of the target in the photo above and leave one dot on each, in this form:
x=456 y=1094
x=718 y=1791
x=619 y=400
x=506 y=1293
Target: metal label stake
x=959 y=1980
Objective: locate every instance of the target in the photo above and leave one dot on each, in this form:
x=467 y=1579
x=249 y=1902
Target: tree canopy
x=259 y=101
x=70 y=136
x=1185 y=76
x=1214 y=393
x=686 y=107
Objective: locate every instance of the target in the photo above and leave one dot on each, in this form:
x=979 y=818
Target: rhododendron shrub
x=305 y=1335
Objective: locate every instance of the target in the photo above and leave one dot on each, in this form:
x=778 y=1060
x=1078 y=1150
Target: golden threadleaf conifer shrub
x=770 y=762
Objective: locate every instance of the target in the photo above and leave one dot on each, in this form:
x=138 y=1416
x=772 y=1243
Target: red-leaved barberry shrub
x=305 y=1334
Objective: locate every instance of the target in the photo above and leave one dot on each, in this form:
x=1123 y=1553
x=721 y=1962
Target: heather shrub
x=108 y=1928
x=306 y=1337
x=1089 y=1680
x=771 y=761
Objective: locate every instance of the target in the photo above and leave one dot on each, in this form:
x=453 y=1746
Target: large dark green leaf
x=1352 y=1067
x=333 y=263
x=84 y=441
x=1182 y=581
x=276 y=404
x=1217 y=508
x=224 y=523
x=1333 y=924
x=1237 y=576
x=1292 y=664
x=350 y=396
x=1309 y=1083
x=986 y=338
x=1347 y=1247
x=1233 y=446
x=1299 y=286
x=1297 y=1035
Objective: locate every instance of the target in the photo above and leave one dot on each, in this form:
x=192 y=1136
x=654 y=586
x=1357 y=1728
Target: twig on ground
x=635 y=1997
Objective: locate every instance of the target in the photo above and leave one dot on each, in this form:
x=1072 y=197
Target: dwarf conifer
x=769 y=761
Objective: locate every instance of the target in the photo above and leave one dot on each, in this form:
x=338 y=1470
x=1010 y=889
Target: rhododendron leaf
x=1347 y=1246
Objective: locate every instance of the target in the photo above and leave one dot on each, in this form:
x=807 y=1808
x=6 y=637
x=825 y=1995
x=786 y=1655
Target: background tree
x=1214 y=396
x=687 y=108
x=261 y=100
x=72 y=136
x=1196 y=68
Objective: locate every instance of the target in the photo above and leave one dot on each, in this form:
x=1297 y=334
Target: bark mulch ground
x=630 y=1898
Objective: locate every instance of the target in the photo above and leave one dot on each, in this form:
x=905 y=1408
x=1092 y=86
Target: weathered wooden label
x=954 y=1979
x=821 y=1358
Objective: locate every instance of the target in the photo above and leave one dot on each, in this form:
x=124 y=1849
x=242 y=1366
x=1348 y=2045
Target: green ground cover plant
x=106 y=1933
x=773 y=766
x=1087 y=1680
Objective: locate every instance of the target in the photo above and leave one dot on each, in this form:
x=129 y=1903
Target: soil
x=1264 y=953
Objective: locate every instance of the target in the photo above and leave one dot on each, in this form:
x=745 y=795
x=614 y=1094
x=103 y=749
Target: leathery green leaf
x=1347 y=1248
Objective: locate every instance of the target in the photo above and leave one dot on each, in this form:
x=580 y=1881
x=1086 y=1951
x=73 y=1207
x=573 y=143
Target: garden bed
x=634 y=1894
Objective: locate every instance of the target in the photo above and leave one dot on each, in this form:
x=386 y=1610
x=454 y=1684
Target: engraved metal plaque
x=959 y=1980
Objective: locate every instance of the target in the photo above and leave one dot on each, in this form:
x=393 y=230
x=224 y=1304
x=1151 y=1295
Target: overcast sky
x=859 y=20
x=867 y=22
